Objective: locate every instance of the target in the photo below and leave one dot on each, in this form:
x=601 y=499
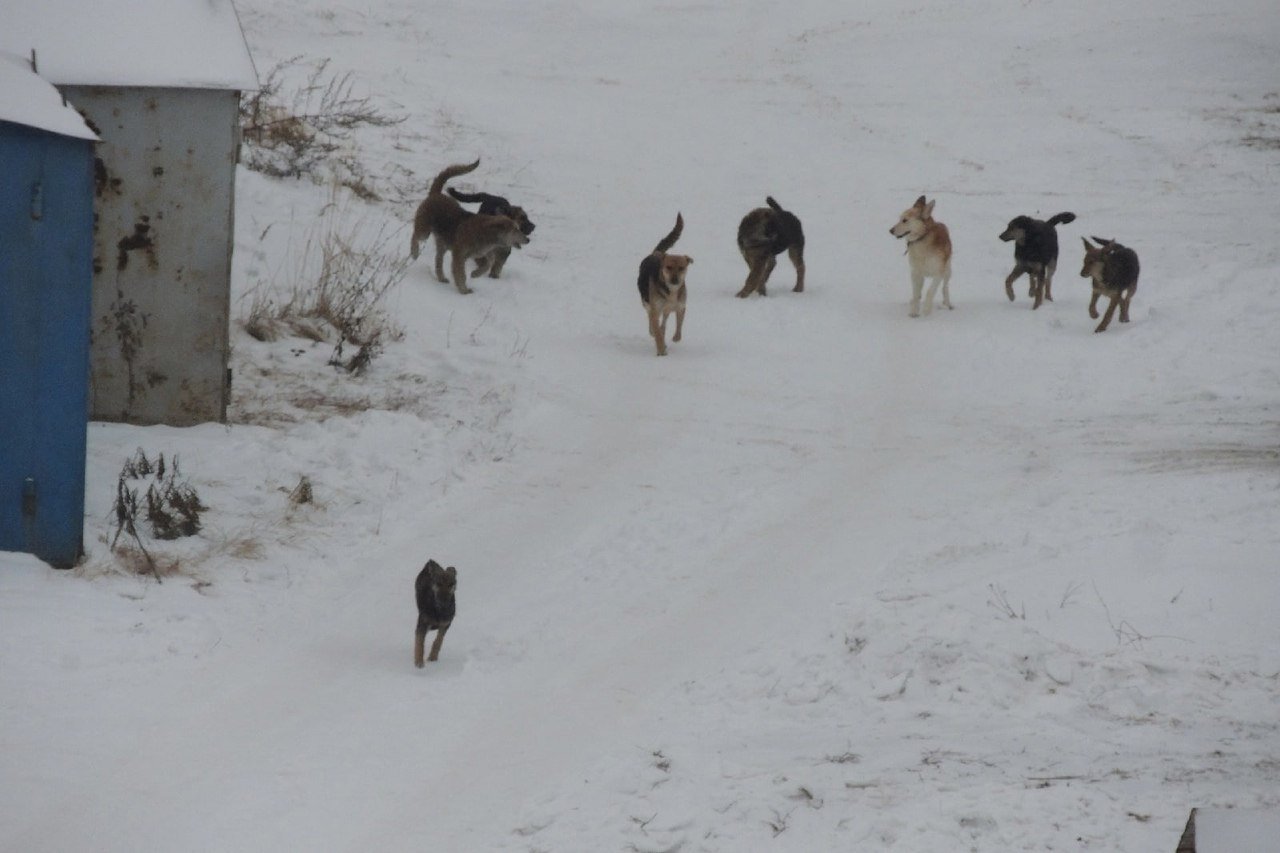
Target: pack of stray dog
x=488 y=235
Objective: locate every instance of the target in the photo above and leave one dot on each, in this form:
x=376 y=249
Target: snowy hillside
x=824 y=578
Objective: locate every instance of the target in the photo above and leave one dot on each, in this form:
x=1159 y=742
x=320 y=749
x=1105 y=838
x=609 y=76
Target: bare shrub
x=308 y=130
x=170 y=505
x=336 y=290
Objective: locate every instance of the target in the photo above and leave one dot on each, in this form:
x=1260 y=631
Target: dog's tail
x=468 y=198
x=1062 y=219
x=769 y=200
x=670 y=240
x=437 y=186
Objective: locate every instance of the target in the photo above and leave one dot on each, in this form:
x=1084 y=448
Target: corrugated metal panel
x=46 y=222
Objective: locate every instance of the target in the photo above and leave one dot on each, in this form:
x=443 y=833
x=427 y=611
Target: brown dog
x=482 y=237
x=928 y=253
x=496 y=205
x=662 y=287
x=1114 y=270
x=434 y=591
x=439 y=216
x=763 y=234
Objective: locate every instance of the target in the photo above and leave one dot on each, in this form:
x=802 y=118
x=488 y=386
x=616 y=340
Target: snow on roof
x=173 y=43
x=26 y=99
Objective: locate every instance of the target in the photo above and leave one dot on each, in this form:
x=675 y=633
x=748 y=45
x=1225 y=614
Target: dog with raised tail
x=928 y=253
x=662 y=287
x=763 y=234
x=439 y=216
x=1035 y=252
x=434 y=590
x=1114 y=270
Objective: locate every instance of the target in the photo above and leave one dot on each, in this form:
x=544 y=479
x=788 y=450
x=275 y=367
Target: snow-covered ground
x=824 y=578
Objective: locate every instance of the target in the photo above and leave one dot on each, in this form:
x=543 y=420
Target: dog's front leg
x=1124 y=306
x=419 y=639
x=679 y=322
x=499 y=260
x=917 y=284
x=482 y=265
x=1093 y=304
x=660 y=333
x=1106 y=318
x=435 y=647
x=1037 y=289
x=1008 y=282
x=460 y=273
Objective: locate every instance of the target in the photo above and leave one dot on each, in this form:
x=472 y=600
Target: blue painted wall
x=46 y=277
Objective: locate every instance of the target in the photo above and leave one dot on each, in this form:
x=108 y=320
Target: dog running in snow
x=496 y=205
x=763 y=234
x=438 y=216
x=1114 y=270
x=434 y=590
x=1035 y=252
x=928 y=253
x=662 y=287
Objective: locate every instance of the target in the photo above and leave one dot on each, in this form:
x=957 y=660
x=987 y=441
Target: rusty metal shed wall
x=164 y=209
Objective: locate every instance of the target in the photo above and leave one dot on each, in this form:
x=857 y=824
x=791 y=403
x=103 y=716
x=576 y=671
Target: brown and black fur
x=1035 y=252
x=763 y=234
x=1114 y=270
x=438 y=216
x=481 y=237
x=496 y=205
x=662 y=287
x=434 y=590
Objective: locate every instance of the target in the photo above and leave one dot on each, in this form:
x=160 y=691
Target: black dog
x=434 y=590
x=496 y=205
x=1035 y=252
x=764 y=233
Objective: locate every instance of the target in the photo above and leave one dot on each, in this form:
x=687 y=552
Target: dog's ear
x=919 y=203
x=928 y=208
x=688 y=260
x=1088 y=247
x=1102 y=242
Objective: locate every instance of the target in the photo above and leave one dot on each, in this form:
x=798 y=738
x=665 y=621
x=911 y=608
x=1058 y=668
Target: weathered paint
x=46 y=246
x=164 y=196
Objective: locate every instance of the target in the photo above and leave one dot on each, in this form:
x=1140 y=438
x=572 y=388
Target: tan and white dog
x=662 y=287
x=928 y=251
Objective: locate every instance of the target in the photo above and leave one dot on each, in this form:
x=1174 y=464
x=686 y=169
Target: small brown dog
x=439 y=216
x=928 y=252
x=434 y=590
x=496 y=205
x=1114 y=270
x=482 y=237
x=662 y=287
x=763 y=234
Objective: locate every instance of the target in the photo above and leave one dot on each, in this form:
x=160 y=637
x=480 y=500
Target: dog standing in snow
x=928 y=253
x=1114 y=270
x=662 y=287
x=763 y=234
x=434 y=590
x=1035 y=252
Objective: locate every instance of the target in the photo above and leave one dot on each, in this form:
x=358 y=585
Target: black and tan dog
x=438 y=216
x=434 y=590
x=496 y=205
x=662 y=287
x=1114 y=270
x=1035 y=252
x=763 y=234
